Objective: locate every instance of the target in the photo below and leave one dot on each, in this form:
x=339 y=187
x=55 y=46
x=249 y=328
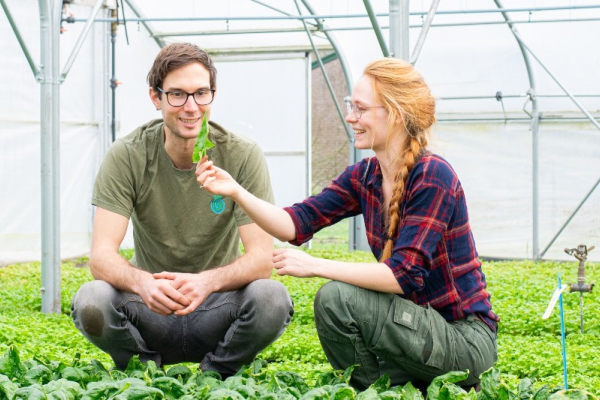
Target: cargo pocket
x=407 y=334
x=435 y=337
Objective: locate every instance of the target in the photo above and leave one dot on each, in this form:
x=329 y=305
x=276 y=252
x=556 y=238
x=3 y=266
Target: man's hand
x=190 y=286
x=162 y=298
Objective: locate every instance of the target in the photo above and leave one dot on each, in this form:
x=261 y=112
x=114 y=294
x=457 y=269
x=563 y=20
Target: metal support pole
x=329 y=86
x=308 y=143
x=354 y=239
x=113 y=79
x=50 y=100
x=399 y=45
x=424 y=31
x=80 y=40
x=535 y=190
x=376 y=28
x=22 y=43
x=535 y=119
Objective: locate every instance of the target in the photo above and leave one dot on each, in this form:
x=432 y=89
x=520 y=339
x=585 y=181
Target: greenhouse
x=517 y=108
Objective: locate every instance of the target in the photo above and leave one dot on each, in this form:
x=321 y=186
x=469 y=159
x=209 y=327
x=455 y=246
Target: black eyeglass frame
x=188 y=96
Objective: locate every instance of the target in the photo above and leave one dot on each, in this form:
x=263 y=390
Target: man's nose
x=190 y=104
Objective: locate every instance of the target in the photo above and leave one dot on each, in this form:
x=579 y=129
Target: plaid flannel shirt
x=434 y=257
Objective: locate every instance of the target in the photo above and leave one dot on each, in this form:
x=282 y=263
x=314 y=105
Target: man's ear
x=154 y=98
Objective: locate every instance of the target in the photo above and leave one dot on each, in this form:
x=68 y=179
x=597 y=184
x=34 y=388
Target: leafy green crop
x=203 y=143
x=32 y=380
x=529 y=348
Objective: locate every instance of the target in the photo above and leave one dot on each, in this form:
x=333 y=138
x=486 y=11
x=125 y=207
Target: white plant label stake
x=557 y=295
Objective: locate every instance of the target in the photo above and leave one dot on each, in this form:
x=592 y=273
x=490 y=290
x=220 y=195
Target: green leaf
x=171 y=387
x=369 y=394
x=97 y=372
x=180 y=372
x=140 y=393
x=542 y=393
x=10 y=365
x=504 y=393
x=319 y=393
x=7 y=388
x=100 y=390
x=436 y=384
x=76 y=375
x=342 y=391
x=450 y=391
x=490 y=384
x=38 y=374
x=572 y=394
x=203 y=143
x=33 y=392
x=390 y=395
x=62 y=389
x=382 y=383
x=411 y=393
x=224 y=394
x=135 y=368
x=525 y=389
x=292 y=379
x=212 y=379
x=347 y=375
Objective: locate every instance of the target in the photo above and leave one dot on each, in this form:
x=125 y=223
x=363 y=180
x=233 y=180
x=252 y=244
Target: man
x=188 y=295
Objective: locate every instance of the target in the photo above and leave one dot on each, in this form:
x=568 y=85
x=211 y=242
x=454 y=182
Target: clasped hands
x=175 y=293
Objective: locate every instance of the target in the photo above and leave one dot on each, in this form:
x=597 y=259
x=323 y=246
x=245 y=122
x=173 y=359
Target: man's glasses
x=178 y=98
x=358 y=110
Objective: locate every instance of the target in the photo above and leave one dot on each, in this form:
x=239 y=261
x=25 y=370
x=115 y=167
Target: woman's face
x=368 y=117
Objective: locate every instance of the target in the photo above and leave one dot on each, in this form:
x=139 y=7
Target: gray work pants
x=224 y=333
x=384 y=333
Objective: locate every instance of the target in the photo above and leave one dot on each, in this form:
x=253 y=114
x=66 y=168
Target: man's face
x=184 y=121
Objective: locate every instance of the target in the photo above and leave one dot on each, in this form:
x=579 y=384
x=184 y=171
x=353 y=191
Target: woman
x=423 y=309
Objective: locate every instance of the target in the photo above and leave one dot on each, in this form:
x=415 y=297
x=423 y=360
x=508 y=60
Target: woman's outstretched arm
x=269 y=217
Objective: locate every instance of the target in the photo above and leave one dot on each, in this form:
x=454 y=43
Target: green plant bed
x=528 y=347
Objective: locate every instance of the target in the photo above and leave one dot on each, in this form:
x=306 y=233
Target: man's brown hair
x=175 y=56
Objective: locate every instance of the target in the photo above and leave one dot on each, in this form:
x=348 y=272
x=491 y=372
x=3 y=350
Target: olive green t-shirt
x=178 y=226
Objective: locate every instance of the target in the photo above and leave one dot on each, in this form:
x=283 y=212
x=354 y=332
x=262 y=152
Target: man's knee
x=272 y=300
x=91 y=305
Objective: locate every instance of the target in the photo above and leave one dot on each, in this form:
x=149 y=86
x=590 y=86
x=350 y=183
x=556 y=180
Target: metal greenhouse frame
x=50 y=76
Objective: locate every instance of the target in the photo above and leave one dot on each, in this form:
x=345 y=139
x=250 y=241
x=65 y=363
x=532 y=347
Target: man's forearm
x=111 y=267
x=239 y=273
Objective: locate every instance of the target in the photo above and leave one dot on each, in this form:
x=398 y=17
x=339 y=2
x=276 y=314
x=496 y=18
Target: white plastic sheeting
x=493 y=162
x=493 y=159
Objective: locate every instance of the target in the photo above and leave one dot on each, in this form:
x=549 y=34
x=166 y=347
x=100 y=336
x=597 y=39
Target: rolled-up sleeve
x=337 y=201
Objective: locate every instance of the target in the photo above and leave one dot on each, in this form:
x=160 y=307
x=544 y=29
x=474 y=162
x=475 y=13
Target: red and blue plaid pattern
x=434 y=257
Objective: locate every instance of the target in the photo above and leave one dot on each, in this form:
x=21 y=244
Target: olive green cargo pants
x=384 y=333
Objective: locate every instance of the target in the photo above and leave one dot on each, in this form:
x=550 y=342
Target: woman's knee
x=331 y=296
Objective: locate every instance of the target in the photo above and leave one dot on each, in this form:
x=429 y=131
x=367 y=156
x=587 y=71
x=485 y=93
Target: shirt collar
x=374 y=177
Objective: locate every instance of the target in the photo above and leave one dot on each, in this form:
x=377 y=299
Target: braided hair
x=408 y=100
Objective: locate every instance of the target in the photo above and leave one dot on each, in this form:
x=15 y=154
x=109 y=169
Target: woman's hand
x=215 y=180
x=294 y=262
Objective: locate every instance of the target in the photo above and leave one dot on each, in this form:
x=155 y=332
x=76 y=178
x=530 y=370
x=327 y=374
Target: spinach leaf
x=203 y=143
